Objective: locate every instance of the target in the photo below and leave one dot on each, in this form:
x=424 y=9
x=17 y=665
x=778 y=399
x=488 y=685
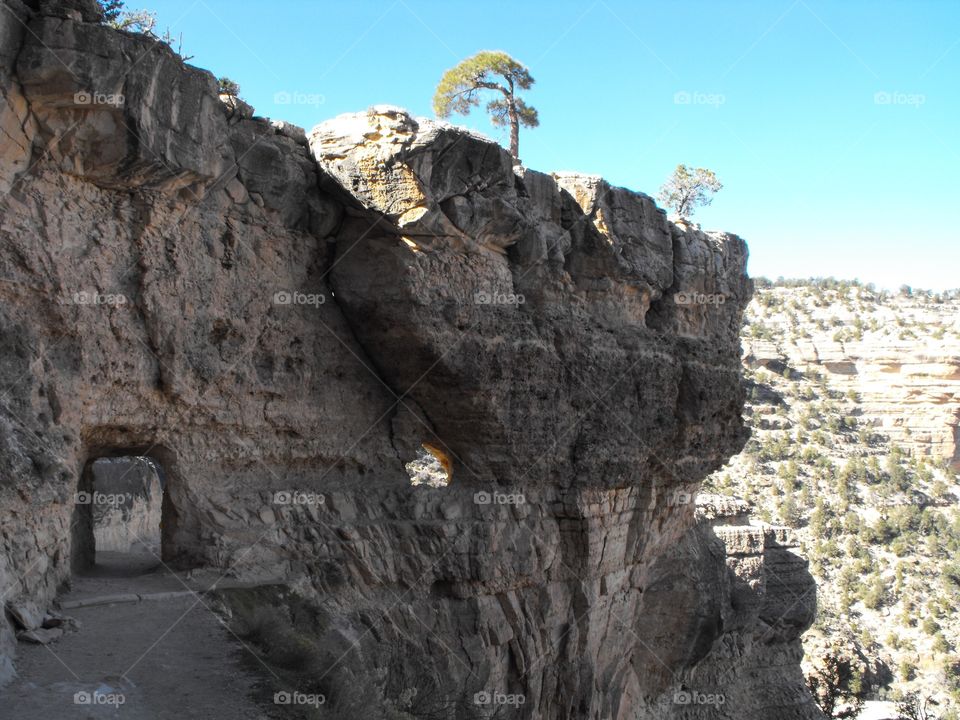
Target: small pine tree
x=116 y=15
x=461 y=86
x=226 y=86
x=689 y=188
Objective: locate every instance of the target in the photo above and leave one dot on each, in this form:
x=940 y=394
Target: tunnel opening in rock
x=431 y=467
x=121 y=507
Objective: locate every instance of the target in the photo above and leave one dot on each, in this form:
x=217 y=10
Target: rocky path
x=154 y=659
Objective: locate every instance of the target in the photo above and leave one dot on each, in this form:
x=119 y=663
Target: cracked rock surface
x=283 y=320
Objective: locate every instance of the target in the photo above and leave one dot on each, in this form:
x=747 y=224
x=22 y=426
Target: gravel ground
x=143 y=661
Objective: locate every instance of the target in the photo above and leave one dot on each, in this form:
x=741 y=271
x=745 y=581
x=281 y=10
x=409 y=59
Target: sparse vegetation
x=116 y=14
x=835 y=683
x=877 y=519
x=913 y=707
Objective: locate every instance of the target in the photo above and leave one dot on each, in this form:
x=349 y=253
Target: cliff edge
x=283 y=321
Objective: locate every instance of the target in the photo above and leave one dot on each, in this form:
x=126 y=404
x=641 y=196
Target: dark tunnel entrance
x=121 y=505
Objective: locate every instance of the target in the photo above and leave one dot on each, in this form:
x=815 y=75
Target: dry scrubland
x=853 y=403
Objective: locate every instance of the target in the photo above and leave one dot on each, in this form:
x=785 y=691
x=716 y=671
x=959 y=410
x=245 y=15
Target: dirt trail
x=149 y=660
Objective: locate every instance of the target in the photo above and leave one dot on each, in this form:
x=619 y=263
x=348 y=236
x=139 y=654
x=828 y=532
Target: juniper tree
x=914 y=707
x=836 y=683
x=462 y=87
x=689 y=188
x=226 y=86
x=116 y=15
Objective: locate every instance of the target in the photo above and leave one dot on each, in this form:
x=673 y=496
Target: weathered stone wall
x=138 y=312
x=282 y=326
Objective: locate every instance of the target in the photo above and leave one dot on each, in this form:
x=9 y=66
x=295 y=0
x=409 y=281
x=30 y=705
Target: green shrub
x=875 y=593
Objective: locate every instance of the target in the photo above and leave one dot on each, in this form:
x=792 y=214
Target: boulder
x=40 y=636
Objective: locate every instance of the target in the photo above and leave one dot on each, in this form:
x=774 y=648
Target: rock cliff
x=282 y=322
x=900 y=357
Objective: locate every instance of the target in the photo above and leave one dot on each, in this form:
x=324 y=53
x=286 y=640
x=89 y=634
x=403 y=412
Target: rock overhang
x=484 y=276
x=526 y=324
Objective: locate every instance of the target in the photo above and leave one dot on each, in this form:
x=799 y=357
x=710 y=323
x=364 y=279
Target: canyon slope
x=284 y=320
x=899 y=355
x=854 y=405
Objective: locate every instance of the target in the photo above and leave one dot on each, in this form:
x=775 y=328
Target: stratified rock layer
x=282 y=326
x=907 y=388
x=531 y=319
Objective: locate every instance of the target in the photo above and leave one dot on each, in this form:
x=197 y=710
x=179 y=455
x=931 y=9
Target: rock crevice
x=282 y=324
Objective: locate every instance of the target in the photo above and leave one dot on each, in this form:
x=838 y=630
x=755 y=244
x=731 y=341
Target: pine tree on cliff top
x=688 y=188
x=460 y=90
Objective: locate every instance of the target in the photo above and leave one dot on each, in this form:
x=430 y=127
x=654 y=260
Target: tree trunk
x=514 y=124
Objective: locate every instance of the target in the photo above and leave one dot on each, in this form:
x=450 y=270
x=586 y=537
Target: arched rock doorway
x=123 y=514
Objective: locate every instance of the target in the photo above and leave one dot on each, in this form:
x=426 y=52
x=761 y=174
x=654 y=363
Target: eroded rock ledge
x=261 y=315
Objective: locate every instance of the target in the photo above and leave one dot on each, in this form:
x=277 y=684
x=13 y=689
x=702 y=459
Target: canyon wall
x=282 y=322
x=907 y=386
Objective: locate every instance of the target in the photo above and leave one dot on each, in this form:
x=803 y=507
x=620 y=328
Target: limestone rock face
x=282 y=328
x=532 y=320
x=156 y=318
x=17 y=125
x=908 y=388
x=119 y=116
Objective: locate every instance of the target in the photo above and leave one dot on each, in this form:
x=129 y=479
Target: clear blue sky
x=822 y=175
